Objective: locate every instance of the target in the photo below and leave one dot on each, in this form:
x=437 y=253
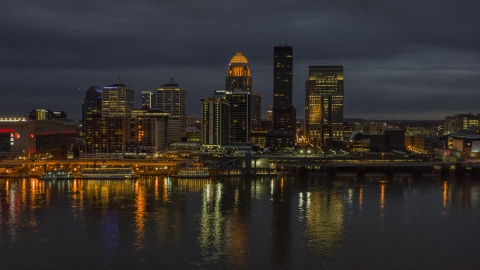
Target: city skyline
x=397 y=56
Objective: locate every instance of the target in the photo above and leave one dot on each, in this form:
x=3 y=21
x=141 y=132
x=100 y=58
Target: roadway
x=132 y=162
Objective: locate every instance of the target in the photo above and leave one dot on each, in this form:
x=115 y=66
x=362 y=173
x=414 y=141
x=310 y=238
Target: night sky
x=405 y=59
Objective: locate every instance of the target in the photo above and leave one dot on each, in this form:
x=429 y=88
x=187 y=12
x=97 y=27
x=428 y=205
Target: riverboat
x=56 y=175
x=193 y=172
x=108 y=173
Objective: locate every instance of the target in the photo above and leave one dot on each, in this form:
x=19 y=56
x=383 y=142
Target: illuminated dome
x=239 y=59
x=238 y=66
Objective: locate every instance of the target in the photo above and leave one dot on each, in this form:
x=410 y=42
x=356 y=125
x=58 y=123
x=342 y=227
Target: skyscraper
x=324 y=104
x=238 y=74
x=284 y=114
x=173 y=99
x=256 y=114
x=240 y=115
x=117 y=100
x=92 y=104
x=239 y=95
x=215 y=122
x=149 y=100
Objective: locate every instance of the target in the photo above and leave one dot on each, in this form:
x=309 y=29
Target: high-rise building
x=104 y=137
x=283 y=133
x=147 y=133
x=149 y=100
x=324 y=104
x=256 y=112
x=92 y=104
x=239 y=79
x=240 y=115
x=238 y=74
x=215 y=122
x=284 y=114
x=173 y=99
x=117 y=100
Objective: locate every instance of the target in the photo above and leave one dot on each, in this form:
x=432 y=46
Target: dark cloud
x=402 y=59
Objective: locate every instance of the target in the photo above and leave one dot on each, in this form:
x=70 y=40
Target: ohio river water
x=236 y=223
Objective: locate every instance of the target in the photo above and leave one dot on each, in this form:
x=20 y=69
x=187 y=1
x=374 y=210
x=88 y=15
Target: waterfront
x=291 y=222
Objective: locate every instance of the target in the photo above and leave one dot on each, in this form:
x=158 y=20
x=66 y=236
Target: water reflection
x=360 y=198
x=445 y=193
x=212 y=224
x=382 y=196
x=324 y=213
x=140 y=213
x=228 y=222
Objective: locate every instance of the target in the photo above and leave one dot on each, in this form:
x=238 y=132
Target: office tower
x=256 y=110
x=239 y=79
x=173 y=99
x=324 y=104
x=149 y=100
x=283 y=134
x=240 y=118
x=215 y=122
x=284 y=114
x=238 y=74
x=117 y=100
x=92 y=104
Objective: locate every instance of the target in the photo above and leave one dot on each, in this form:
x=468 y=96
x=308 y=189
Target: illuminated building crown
x=239 y=66
x=239 y=59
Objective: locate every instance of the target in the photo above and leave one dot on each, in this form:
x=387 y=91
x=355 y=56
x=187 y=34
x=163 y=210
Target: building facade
x=256 y=113
x=324 y=104
x=22 y=138
x=239 y=79
x=149 y=100
x=92 y=104
x=173 y=99
x=117 y=100
x=240 y=116
x=238 y=76
x=105 y=137
x=149 y=129
x=215 y=122
x=284 y=113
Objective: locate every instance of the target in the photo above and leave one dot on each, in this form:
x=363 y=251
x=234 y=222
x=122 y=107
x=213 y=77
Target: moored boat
x=193 y=172
x=108 y=173
x=56 y=174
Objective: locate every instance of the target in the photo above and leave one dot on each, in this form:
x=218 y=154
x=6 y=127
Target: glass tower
x=324 y=104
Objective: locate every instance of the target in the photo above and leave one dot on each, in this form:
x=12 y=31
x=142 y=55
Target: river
x=241 y=223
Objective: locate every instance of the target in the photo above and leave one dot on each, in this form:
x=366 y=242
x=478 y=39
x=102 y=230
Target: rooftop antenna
x=171 y=80
x=119 y=80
